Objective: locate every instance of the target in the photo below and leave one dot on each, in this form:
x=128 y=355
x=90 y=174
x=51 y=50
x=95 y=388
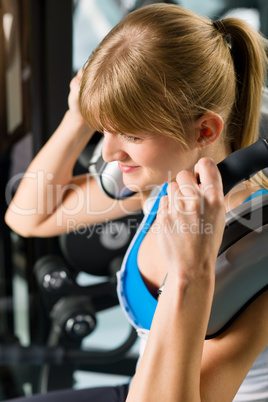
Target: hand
x=192 y=219
x=73 y=98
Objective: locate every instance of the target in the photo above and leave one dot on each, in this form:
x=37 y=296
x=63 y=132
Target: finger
x=76 y=81
x=178 y=202
x=74 y=84
x=209 y=176
x=80 y=73
x=190 y=191
x=187 y=183
x=172 y=188
x=174 y=196
x=163 y=205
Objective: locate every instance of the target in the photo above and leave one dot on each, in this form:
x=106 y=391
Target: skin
x=157 y=158
x=191 y=370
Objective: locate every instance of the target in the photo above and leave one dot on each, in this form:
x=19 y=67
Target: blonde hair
x=163 y=66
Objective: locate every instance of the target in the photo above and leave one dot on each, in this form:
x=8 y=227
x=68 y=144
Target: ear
x=208 y=128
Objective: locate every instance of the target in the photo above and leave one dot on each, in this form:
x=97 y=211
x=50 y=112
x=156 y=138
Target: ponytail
x=250 y=61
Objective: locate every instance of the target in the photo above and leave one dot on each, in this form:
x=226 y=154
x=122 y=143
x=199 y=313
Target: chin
x=140 y=186
x=133 y=187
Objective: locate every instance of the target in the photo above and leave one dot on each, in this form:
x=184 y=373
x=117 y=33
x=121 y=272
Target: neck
x=217 y=151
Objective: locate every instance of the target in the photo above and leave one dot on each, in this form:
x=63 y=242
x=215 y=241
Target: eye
x=130 y=137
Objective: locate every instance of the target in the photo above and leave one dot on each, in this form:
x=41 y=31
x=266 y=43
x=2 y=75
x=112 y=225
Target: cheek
x=154 y=161
x=158 y=157
x=144 y=156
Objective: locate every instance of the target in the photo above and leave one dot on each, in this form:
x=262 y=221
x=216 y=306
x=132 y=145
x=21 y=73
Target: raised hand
x=192 y=218
x=73 y=98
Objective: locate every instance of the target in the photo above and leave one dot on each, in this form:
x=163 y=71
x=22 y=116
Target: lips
x=127 y=169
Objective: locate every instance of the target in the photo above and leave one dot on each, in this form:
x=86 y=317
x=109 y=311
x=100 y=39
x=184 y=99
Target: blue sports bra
x=139 y=300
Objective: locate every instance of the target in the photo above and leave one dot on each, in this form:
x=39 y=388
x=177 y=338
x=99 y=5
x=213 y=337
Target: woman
x=173 y=94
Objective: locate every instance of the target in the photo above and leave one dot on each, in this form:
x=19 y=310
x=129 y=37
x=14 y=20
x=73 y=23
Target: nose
x=112 y=148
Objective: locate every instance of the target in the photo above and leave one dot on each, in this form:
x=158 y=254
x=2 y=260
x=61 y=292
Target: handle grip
x=242 y=164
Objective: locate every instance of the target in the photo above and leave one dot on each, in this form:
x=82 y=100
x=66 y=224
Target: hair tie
x=219 y=25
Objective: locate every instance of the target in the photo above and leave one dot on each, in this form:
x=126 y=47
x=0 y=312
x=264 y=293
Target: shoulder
x=240 y=194
x=150 y=196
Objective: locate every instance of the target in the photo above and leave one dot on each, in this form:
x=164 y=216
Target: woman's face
x=147 y=159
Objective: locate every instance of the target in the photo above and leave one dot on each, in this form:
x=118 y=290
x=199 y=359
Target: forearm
x=170 y=367
x=47 y=177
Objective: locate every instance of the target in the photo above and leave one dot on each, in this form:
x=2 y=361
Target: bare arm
x=49 y=200
x=178 y=365
x=171 y=365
